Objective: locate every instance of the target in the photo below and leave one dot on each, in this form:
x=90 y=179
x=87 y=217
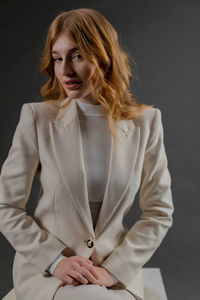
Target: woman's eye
x=76 y=55
x=57 y=58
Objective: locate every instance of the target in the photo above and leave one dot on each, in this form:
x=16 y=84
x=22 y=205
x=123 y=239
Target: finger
x=75 y=282
x=90 y=268
x=87 y=274
x=85 y=259
x=68 y=279
x=76 y=275
x=63 y=283
x=94 y=272
x=90 y=261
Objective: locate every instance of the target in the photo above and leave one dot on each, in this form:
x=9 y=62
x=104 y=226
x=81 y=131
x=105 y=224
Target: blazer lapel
x=121 y=168
x=67 y=144
x=66 y=140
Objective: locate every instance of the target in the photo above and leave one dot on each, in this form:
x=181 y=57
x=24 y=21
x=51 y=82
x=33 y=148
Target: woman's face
x=72 y=69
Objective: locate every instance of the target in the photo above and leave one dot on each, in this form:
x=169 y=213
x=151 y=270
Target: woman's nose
x=67 y=69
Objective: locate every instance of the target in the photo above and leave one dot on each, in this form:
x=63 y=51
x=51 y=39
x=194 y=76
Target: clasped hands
x=75 y=270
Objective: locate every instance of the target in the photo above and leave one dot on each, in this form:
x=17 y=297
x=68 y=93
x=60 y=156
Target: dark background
x=162 y=37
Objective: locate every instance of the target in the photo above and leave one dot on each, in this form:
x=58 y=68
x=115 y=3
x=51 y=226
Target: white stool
x=153 y=284
x=10 y=296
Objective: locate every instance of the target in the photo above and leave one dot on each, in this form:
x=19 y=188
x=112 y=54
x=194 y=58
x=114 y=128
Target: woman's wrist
x=52 y=267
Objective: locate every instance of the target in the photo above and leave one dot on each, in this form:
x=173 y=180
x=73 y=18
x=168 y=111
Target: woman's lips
x=73 y=86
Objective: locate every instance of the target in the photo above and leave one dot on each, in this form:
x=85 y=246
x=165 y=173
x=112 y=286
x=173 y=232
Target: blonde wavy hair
x=99 y=44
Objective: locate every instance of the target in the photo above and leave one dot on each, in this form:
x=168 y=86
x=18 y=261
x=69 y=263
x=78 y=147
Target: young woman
x=92 y=146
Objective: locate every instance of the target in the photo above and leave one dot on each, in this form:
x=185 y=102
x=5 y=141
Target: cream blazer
x=47 y=142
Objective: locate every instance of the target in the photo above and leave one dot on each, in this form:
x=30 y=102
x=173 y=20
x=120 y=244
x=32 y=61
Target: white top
x=95 y=135
x=96 y=138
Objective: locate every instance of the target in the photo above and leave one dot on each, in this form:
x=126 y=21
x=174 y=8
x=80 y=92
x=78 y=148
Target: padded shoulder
x=45 y=110
x=146 y=117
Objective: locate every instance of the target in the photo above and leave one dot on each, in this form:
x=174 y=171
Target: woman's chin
x=74 y=94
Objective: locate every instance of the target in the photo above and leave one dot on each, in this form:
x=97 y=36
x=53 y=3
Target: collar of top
x=90 y=109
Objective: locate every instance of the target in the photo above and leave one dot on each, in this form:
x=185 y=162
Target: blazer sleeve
x=38 y=246
x=155 y=200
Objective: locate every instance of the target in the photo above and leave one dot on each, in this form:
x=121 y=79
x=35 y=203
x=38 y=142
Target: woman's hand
x=75 y=270
x=103 y=277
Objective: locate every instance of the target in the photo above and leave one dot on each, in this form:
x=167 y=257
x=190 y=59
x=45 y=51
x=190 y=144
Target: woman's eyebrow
x=70 y=51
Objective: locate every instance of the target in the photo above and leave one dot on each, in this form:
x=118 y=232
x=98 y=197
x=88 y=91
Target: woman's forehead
x=64 y=43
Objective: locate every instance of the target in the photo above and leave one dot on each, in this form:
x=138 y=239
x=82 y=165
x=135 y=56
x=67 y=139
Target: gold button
x=90 y=243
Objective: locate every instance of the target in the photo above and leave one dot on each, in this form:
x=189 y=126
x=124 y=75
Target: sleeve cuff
x=52 y=267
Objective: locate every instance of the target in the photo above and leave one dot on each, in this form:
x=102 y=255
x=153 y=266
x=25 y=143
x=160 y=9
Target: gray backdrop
x=163 y=38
